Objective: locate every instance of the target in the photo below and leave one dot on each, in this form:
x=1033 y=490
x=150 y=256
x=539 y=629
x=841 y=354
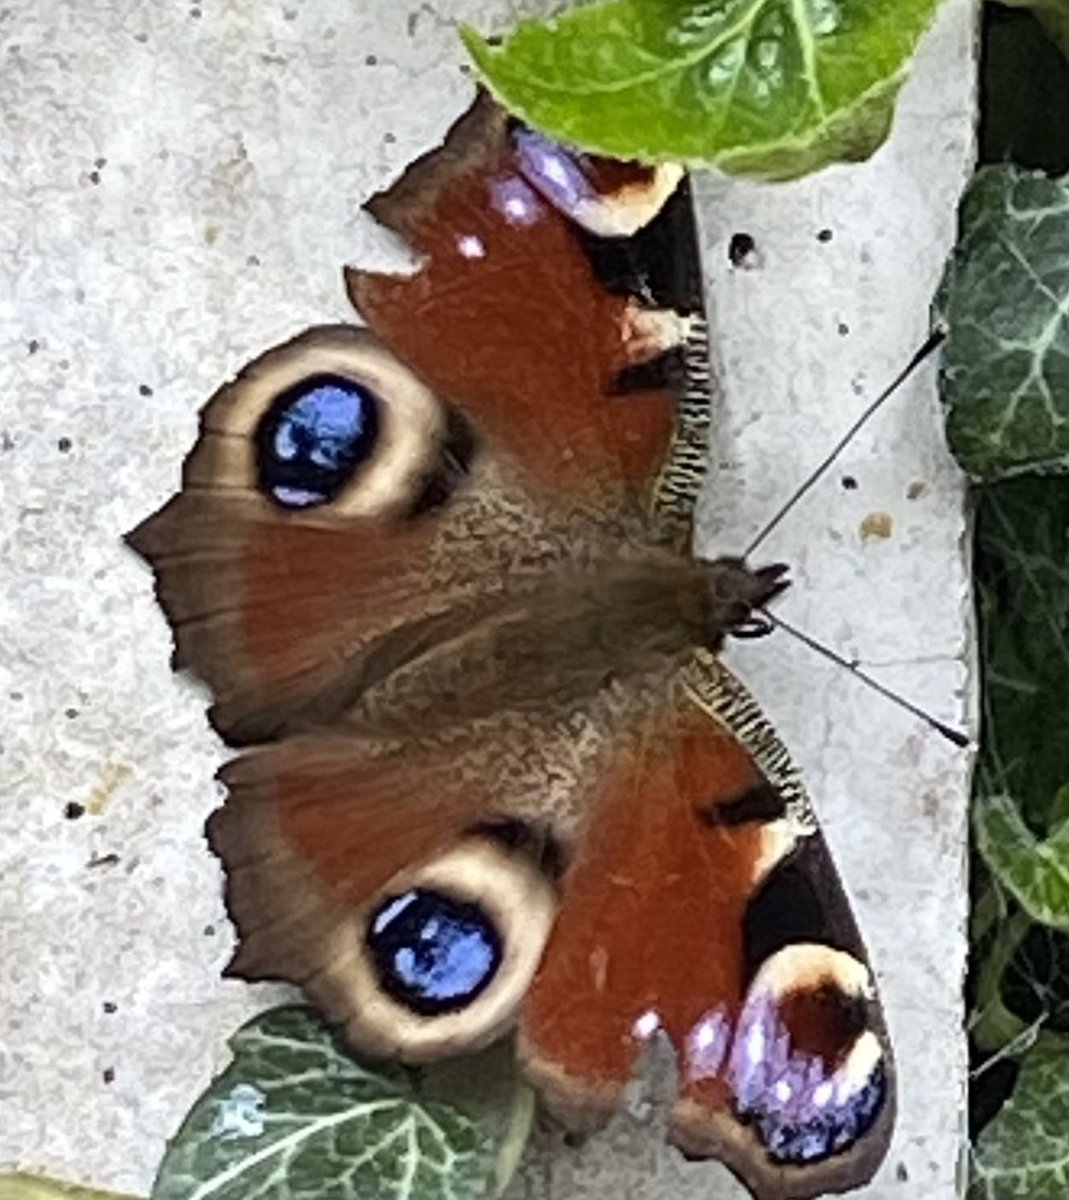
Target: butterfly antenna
x=934 y=340
x=961 y=740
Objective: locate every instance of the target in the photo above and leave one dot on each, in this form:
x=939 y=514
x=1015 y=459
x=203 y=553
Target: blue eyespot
x=434 y=954
x=811 y=1131
x=312 y=439
x=805 y=1066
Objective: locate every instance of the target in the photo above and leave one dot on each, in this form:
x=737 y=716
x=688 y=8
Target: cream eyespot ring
x=330 y=422
x=440 y=960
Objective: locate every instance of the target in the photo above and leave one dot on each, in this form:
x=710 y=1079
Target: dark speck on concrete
x=70 y=713
x=32 y=346
x=144 y=389
x=742 y=250
x=64 y=445
x=901 y=1173
x=110 y=1006
x=389 y=138
x=109 y=1074
x=370 y=60
x=94 y=177
x=825 y=235
x=849 y=483
x=103 y=860
x=73 y=811
x=843 y=329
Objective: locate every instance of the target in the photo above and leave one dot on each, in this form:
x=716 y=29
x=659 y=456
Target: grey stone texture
x=179 y=187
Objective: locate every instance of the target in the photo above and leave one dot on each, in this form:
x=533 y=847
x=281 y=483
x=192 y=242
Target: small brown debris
x=877 y=525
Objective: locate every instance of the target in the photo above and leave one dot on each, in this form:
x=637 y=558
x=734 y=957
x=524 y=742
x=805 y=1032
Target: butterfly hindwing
x=702 y=905
x=650 y=866
x=324 y=834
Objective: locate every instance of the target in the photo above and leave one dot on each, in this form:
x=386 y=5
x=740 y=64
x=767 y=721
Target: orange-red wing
x=272 y=614
x=519 y=318
x=526 y=380
x=322 y=834
x=702 y=906
x=651 y=932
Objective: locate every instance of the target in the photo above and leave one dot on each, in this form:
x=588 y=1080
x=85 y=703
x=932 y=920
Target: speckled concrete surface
x=178 y=189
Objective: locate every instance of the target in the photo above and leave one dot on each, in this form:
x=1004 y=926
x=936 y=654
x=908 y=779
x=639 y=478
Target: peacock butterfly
x=437 y=573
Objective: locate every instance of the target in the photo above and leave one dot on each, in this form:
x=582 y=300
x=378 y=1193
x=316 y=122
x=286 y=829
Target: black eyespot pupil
x=312 y=439
x=433 y=953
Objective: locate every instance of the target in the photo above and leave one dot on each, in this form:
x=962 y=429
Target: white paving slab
x=178 y=189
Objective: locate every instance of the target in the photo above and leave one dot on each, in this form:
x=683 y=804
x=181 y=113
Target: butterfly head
x=738 y=595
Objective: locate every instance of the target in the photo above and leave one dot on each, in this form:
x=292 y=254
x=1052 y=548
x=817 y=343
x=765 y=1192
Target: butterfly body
x=438 y=576
x=628 y=622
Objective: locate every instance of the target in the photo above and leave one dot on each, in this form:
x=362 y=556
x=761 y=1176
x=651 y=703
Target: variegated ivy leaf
x=1023 y=1154
x=1021 y=785
x=295 y=1117
x=1022 y=581
x=1035 y=870
x=1021 y=793
x=773 y=88
x=1005 y=301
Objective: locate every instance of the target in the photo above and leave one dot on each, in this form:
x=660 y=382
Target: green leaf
x=295 y=1117
x=773 y=88
x=1023 y=1154
x=1035 y=872
x=1021 y=566
x=18 y=1185
x=1054 y=15
x=993 y=1025
x=1022 y=580
x=1005 y=300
